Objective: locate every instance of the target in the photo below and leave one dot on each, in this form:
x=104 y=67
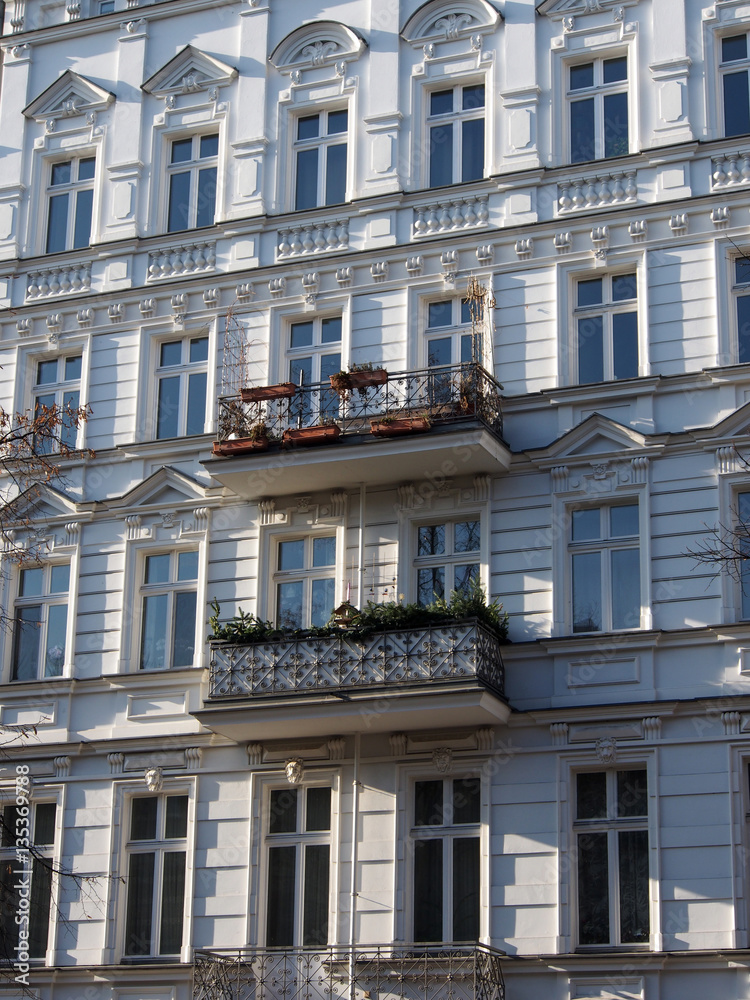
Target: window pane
x=290 y=605
x=57 y=223
x=736 y=104
x=283 y=811
x=184 y=629
x=57 y=620
x=26 y=645
x=198 y=350
x=172 y=903
x=582 y=131
x=586 y=524
x=591 y=795
x=733 y=47
x=324 y=551
x=464 y=576
x=206 y=208
x=170 y=353
x=59 y=579
x=292 y=554
x=590 y=349
x=68 y=429
x=624 y=286
x=209 y=145
x=582 y=76
x=308 y=127
x=466 y=889
x=176 y=819
x=473 y=97
x=187 y=566
x=472 y=149
x=441 y=155
x=336 y=174
x=86 y=168
x=157 y=569
x=44 y=824
x=466 y=798
x=632 y=793
x=626 y=588
x=743 y=514
x=315 y=902
x=306 y=182
x=616 y=125
x=587 y=589
x=428 y=803
x=154 y=641
x=441 y=313
x=182 y=151
x=46 y=371
x=82 y=226
x=466 y=536
x=301 y=335
x=330 y=330
x=431 y=540
x=471 y=349
x=625 y=345
x=143 y=818
x=41 y=897
x=623 y=520
x=428 y=890
x=61 y=173
x=593 y=889
x=323 y=599
x=10 y=815
x=280 y=909
x=615 y=69
x=32 y=582
x=441 y=102
x=590 y=292
x=168 y=407
x=140 y=904
x=743 y=328
x=196 y=408
x=338 y=121
x=318 y=809
x=430 y=584
x=634 y=918
x=439 y=352
x=178 y=217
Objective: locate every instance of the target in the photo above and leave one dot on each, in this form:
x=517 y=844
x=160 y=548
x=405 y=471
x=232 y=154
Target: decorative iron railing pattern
x=444 y=394
x=400 y=972
x=320 y=664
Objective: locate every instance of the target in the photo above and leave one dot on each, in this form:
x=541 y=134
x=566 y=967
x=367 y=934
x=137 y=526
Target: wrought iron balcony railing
x=406 y=972
x=459 y=651
x=448 y=394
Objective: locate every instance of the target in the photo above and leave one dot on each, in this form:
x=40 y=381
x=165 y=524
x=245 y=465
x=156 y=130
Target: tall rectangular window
x=320 y=152
x=741 y=292
x=451 y=338
x=192 y=171
x=455 y=126
x=298 y=866
x=606 y=320
x=447 y=558
x=41 y=622
x=314 y=354
x=611 y=836
x=734 y=67
x=156 y=861
x=305 y=581
x=41 y=833
x=181 y=381
x=168 y=609
x=70 y=201
x=598 y=109
x=58 y=384
x=446 y=859
x=605 y=568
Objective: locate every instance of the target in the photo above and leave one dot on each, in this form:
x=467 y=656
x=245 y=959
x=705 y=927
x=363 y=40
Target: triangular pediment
x=735 y=427
x=188 y=72
x=557 y=9
x=41 y=504
x=68 y=96
x=166 y=487
x=597 y=437
x=317 y=43
x=442 y=20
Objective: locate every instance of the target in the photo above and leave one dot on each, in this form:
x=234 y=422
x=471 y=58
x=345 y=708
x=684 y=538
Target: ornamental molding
x=189 y=72
x=69 y=96
x=317 y=44
x=446 y=21
x=557 y=10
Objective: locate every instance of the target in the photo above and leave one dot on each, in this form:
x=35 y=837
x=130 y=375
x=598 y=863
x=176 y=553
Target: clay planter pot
x=320 y=434
x=401 y=425
x=359 y=380
x=240 y=446
x=285 y=390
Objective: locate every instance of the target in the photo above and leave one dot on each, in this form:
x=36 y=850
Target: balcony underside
x=443 y=452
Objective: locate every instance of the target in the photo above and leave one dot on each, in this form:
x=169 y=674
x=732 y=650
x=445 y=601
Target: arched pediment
x=317 y=43
x=442 y=20
x=189 y=71
x=70 y=95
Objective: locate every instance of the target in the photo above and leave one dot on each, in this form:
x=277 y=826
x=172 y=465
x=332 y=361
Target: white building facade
x=534 y=219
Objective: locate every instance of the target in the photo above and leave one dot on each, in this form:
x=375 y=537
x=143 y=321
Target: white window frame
x=321 y=143
x=306 y=575
x=419 y=312
x=455 y=119
x=45 y=600
x=597 y=92
x=72 y=189
x=727 y=17
x=606 y=309
x=732 y=482
x=450 y=558
x=193 y=168
x=169 y=589
x=280 y=322
x=59 y=388
x=738 y=290
x=317 y=349
x=183 y=371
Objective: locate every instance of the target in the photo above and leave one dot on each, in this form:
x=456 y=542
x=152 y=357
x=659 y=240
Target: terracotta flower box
x=320 y=434
x=285 y=390
x=401 y=425
x=359 y=380
x=240 y=446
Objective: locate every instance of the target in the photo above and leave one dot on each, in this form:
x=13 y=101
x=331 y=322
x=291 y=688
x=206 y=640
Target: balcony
x=388 y=681
x=438 y=422
x=406 y=972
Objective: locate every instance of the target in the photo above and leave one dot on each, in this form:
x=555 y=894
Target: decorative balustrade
x=457 y=651
x=445 y=394
x=313 y=237
x=730 y=169
x=406 y=972
x=187 y=258
x=597 y=191
x=452 y=214
x=67 y=279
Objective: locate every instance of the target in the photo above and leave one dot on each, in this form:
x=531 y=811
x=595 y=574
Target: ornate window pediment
x=557 y=9
x=321 y=43
x=441 y=20
x=69 y=96
x=597 y=437
x=189 y=72
x=166 y=486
